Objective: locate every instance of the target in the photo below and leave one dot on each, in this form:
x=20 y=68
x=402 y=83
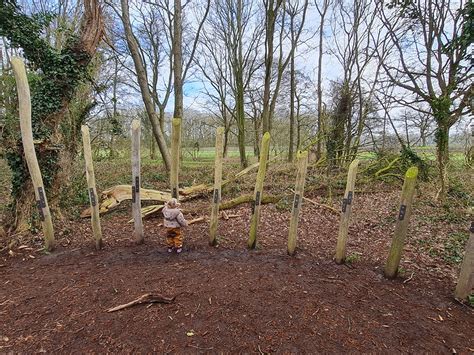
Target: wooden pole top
x=135 y=124
x=302 y=154
x=412 y=173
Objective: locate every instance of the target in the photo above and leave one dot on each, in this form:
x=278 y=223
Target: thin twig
x=410 y=278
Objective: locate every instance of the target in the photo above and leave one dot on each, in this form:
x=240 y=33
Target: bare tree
x=274 y=10
x=430 y=63
x=143 y=82
x=322 y=10
x=231 y=58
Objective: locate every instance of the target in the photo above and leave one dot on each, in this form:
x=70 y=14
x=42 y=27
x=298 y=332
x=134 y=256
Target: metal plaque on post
x=344 y=205
x=349 y=197
x=401 y=214
x=40 y=210
x=42 y=199
x=137 y=184
x=297 y=201
x=92 y=197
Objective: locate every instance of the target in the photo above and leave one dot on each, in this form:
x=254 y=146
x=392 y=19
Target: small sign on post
x=302 y=161
x=175 y=147
x=398 y=241
x=217 y=185
x=90 y=176
x=265 y=148
x=346 y=212
x=24 y=102
x=136 y=202
x=465 y=284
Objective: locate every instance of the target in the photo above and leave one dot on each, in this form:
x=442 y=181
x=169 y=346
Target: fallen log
x=113 y=196
x=247 y=199
x=146 y=298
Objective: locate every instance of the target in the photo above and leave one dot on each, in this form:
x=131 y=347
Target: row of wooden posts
x=466 y=278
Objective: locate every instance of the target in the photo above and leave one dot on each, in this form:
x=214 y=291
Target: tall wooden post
x=217 y=185
x=398 y=241
x=175 y=153
x=90 y=176
x=265 y=148
x=346 y=212
x=466 y=277
x=302 y=158
x=136 y=202
x=30 y=153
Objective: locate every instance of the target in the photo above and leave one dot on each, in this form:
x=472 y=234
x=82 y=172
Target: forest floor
x=230 y=299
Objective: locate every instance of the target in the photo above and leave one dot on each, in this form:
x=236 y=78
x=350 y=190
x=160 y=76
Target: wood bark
x=297 y=201
x=24 y=102
x=398 y=241
x=136 y=201
x=346 y=212
x=93 y=198
x=258 y=193
x=465 y=284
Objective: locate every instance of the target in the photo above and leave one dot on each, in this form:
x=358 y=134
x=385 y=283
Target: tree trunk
x=152 y=148
x=239 y=84
x=256 y=147
x=320 y=80
x=226 y=139
x=54 y=149
x=442 y=155
x=270 y=19
x=292 y=95
x=441 y=107
x=178 y=60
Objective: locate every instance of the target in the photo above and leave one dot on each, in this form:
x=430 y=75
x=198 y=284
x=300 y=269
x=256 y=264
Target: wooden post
x=265 y=147
x=466 y=277
x=175 y=153
x=136 y=203
x=30 y=153
x=90 y=176
x=408 y=190
x=302 y=158
x=346 y=213
x=217 y=185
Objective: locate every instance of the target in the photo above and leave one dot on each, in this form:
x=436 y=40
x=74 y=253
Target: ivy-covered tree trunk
x=58 y=74
x=441 y=112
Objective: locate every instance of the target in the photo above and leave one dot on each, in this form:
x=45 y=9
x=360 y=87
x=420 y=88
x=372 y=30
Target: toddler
x=173 y=222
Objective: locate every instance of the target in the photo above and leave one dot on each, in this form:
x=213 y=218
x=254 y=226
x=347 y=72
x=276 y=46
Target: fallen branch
x=247 y=199
x=388 y=167
x=146 y=298
x=193 y=221
x=332 y=209
x=113 y=196
x=409 y=279
x=391 y=175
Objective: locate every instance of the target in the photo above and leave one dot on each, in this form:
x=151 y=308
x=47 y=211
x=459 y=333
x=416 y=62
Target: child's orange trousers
x=174 y=237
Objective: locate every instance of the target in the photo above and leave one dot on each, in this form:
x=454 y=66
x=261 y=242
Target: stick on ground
x=146 y=298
